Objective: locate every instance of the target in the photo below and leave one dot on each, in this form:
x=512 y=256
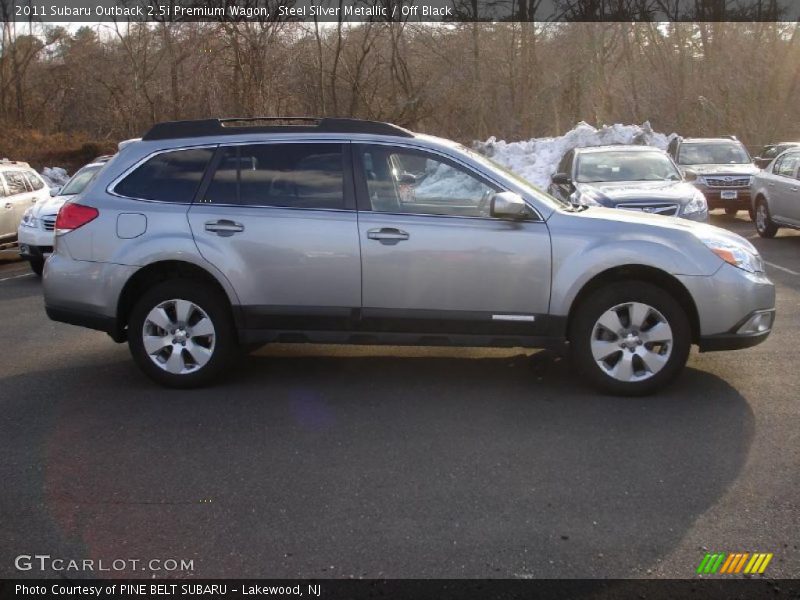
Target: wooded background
x=63 y=88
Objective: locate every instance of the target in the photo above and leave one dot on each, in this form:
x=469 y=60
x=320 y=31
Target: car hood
x=50 y=206
x=614 y=193
x=724 y=169
x=635 y=218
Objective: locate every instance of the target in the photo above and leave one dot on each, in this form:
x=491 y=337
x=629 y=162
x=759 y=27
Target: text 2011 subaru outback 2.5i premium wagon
x=207 y=236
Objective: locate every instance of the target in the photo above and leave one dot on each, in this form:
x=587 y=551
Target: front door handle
x=387 y=235
x=9 y=205
x=224 y=227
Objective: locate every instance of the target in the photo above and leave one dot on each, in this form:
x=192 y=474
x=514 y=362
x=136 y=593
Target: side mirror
x=561 y=179
x=55 y=191
x=508 y=205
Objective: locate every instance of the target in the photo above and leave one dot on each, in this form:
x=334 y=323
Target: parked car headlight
x=585 y=198
x=28 y=220
x=696 y=204
x=744 y=256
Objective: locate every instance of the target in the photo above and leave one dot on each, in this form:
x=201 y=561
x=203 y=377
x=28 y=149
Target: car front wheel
x=181 y=333
x=630 y=338
x=37 y=266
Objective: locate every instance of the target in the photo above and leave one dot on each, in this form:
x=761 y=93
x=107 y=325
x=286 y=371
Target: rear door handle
x=224 y=227
x=387 y=235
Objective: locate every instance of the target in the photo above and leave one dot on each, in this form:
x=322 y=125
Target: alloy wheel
x=631 y=341
x=178 y=336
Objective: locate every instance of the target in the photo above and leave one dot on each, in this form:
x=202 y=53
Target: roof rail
x=16 y=163
x=208 y=127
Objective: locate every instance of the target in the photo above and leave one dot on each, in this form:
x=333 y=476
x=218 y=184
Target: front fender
x=584 y=250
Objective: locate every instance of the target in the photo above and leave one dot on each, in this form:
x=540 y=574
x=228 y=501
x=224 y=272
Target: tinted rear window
x=167 y=177
x=288 y=175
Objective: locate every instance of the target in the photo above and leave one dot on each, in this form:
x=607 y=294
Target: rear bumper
x=82 y=319
x=85 y=293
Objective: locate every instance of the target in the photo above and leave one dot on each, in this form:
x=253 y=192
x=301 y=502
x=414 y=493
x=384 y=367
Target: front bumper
x=740 y=336
x=715 y=200
x=725 y=302
x=35 y=243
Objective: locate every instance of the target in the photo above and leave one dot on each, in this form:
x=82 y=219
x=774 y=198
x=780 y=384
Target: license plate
x=729 y=194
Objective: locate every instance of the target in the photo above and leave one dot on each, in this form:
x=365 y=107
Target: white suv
x=37 y=229
x=20 y=187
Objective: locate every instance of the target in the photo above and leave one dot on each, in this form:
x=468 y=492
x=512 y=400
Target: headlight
x=585 y=198
x=700 y=180
x=738 y=255
x=28 y=220
x=696 y=204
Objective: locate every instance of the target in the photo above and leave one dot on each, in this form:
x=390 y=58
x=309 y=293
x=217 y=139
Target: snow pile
x=537 y=159
x=54 y=176
x=443 y=181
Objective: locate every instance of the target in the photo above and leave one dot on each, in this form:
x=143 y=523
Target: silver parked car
x=207 y=236
x=776 y=194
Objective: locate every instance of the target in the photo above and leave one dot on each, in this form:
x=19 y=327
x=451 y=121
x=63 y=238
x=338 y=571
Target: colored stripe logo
x=734 y=562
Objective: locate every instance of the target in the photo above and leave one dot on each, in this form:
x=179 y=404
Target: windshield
x=625 y=166
x=526 y=185
x=716 y=153
x=80 y=180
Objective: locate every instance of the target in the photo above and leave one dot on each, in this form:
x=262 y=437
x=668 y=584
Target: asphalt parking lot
x=362 y=462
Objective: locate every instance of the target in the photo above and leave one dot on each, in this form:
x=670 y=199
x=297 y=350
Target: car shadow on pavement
x=365 y=466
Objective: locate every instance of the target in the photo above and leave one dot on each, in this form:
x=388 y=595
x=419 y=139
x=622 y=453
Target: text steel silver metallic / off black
x=209 y=236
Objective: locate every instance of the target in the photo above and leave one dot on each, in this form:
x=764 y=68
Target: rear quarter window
x=172 y=176
x=34 y=180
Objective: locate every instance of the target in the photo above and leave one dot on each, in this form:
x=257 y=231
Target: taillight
x=71 y=216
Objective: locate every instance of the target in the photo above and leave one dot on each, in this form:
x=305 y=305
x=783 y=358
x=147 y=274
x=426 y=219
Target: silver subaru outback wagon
x=210 y=236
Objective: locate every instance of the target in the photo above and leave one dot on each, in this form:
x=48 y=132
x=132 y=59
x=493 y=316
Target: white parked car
x=37 y=228
x=20 y=187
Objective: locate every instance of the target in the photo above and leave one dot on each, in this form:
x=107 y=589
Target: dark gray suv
x=210 y=236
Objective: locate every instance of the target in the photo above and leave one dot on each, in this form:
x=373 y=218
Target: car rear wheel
x=181 y=333
x=630 y=338
x=764 y=224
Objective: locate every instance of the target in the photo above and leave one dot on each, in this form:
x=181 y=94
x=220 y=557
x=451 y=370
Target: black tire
x=752 y=214
x=766 y=228
x=216 y=307
x=731 y=211
x=37 y=266
x=583 y=327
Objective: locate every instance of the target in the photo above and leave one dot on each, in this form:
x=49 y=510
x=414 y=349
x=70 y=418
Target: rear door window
x=16 y=183
x=309 y=176
x=167 y=177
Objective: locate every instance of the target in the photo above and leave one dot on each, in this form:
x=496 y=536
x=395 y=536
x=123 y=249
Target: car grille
x=49 y=222
x=656 y=208
x=728 y=182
